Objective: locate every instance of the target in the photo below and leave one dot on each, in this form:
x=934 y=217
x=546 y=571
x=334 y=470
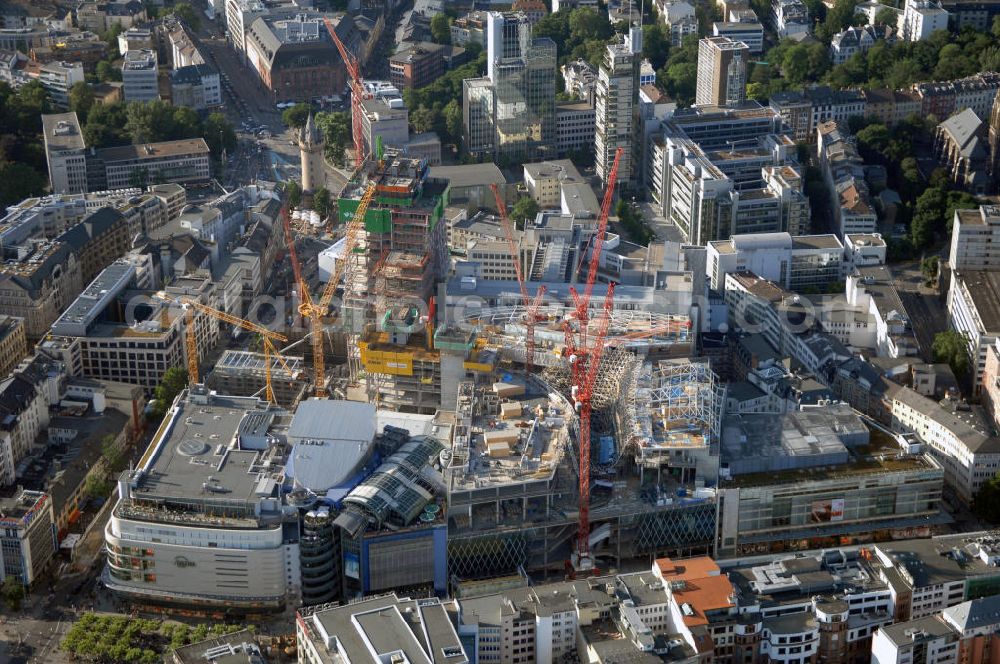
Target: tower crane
x=316 y=311
x=358 y=93
x=584 y=364
x=190 y=306
x=530 y=305
x=582 y=303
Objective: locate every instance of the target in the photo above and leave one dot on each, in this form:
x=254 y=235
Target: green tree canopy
x=321 y=202
x=441 y=28
x=175 y=380
x=952 y=347
x=524 y=209
x=986 y=502
x=81 y=98
x=297 y=115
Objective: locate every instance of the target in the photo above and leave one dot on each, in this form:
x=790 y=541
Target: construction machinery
x=190 y=306
x=582 y=304
x=584 y=364
x=358 y=93
x=531 y=305
x=315 y=310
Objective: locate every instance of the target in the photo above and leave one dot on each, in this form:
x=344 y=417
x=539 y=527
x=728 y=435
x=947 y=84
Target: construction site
x=583 y=437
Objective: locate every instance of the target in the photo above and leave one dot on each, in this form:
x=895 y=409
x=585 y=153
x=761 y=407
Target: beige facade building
x=722 y=72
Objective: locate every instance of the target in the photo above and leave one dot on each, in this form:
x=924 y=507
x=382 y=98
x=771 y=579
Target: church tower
x=311 y=147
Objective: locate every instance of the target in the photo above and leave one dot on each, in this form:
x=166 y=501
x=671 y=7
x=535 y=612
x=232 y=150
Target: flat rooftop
x=163 y=150
x=62 y=131
x=881 y=455
x=817 y=242
x=196 y=457
x=984 y=289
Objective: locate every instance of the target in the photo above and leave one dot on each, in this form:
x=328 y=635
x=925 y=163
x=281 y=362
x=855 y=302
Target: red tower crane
x=582 y=304
x=357 y=93
x=584 y=364
x=530 y=305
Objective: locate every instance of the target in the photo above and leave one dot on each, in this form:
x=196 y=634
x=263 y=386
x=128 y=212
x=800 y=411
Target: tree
x=423 y=119
x=887 y=16
x=96 y=486
x=525 y=208
x=112 y=453
x=13 y=592
x=929 y=268
x=187 y=13
x=175 y=379
x=986 y=502
x=952 y=347
x=107 y=72
x=293 y=193
x=81 y=98
x=321 y=202
x=19 y=181
x=336 y=128
x=655 y=44
x=297 y=115
x=441 y=28
x=219 y=134
x=453 y=121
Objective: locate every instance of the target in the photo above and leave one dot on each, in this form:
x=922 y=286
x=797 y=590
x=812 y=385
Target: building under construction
x=389 y=282
x=243 y=374
x=512 y=480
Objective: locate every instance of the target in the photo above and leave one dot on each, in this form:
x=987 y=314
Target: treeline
x=126 y=123
x=22 y=152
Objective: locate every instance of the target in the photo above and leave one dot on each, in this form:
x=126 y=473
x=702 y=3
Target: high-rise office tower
x=722 y=72
x=616 y=95
x=515 y=104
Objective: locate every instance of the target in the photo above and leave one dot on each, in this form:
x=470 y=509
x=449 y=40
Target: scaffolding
x=390 y=280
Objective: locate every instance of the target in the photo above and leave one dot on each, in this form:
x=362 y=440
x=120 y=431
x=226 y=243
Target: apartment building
x=13 y=343
x=58 y=77
x=37 y=281
x=185 y=161
x=789 y=17
x=750 y=33
x=219 y=536
x=27 y=536
x=891 y=107
x=797 y=263
x=25 y=397
x=383 y=628
x=941 y=99
x=921 y=19
x=960 y=440
x=579 y=79
x=576 y=124
x=240 y=14
x=843 y=172
x=196 y=87
x=972 y=312
x=722 y=72
x=140 y=76
x=863 y=250
x=679 y=17
x=112 y=332
x=415 y=65
x=65 y=153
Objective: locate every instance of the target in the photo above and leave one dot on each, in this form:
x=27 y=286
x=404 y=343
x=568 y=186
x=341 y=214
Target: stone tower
x=311 y=147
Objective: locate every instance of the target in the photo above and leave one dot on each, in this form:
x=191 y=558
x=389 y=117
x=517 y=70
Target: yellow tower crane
x=192 y=348
x=317 y=311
